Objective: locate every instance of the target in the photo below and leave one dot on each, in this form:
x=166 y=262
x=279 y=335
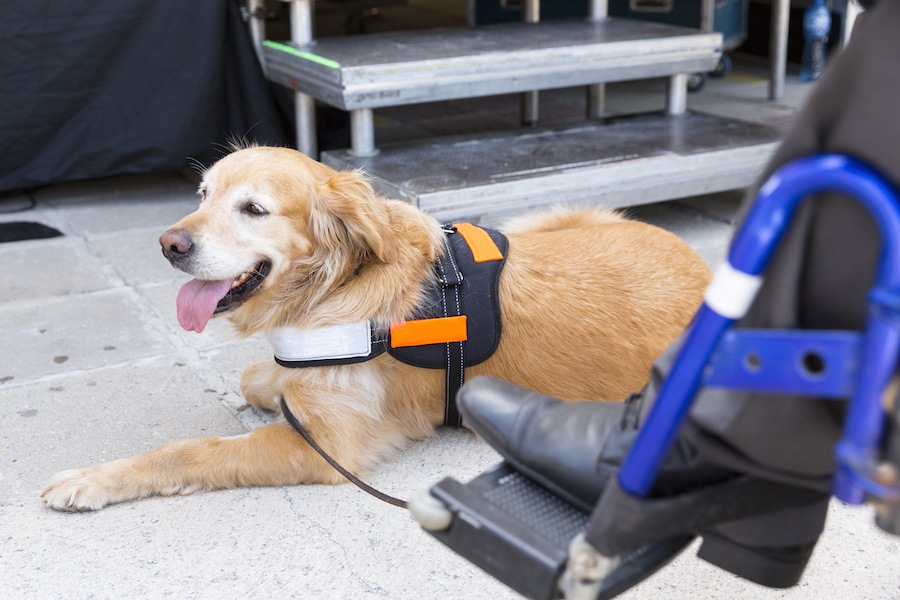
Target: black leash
x=350 y=476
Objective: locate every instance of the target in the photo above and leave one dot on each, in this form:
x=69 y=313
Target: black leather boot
x=571 y=448
x=554 y=443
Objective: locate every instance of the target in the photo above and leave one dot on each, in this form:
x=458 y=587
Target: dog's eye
x=202 y=192
x=252 y=208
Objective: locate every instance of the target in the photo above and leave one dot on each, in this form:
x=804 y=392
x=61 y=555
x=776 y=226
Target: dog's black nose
x=176 y=244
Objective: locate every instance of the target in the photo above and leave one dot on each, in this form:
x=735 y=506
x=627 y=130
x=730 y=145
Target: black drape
x=103 y=87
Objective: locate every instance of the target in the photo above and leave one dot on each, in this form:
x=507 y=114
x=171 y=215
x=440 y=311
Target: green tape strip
x=321 y=60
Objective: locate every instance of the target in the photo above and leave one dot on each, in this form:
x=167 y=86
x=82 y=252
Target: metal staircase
x=614 y=162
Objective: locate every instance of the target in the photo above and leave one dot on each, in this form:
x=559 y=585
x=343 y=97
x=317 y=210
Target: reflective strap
x=480 y=243
x=429 y=331
x=336 y=342
x=731 y=292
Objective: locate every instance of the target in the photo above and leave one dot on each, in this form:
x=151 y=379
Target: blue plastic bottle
x=816 y=26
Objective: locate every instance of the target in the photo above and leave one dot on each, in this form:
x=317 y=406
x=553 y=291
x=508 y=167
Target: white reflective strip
x=731 y=292
x=338 y=341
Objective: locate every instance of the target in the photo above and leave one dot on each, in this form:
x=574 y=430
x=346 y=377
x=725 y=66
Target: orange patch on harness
x=429 y=331
x=480 y=243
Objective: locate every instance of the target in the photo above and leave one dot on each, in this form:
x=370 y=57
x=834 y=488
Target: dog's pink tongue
x=197 y=302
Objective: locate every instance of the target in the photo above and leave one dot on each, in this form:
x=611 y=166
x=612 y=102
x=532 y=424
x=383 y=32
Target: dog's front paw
x=257 y=385
x=78 y=490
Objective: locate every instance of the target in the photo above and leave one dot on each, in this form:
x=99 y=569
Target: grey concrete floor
x=94 y=367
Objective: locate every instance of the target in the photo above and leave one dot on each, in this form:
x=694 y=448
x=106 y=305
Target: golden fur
x=589 y=300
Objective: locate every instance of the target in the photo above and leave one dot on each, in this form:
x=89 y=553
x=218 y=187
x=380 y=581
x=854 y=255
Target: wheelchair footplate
x=522 y=534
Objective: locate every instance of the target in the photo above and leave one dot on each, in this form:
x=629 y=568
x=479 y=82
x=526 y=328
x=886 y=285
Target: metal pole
x=362 y=132
x=707 y=13
x=676 y=94
x=301 y=21
x=257 y=22
x=781 y=13
x=305 y=126
x=599 y=10
x=304 y=104
x=531 y=13
x=596 y=98
x=596 y=101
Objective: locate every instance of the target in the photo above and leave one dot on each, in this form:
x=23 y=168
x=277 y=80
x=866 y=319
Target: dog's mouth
x=198 y=300
x=243 y=286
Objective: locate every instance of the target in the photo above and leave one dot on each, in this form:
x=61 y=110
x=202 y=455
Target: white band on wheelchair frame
x=731 y=292
x=336 y=342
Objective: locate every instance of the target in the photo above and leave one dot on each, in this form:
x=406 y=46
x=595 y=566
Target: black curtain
x=92 y=88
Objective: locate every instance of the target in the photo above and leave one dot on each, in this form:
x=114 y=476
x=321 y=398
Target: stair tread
x=390 y=69
x=623 y=162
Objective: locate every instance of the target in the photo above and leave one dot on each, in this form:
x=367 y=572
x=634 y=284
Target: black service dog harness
x=457 y=326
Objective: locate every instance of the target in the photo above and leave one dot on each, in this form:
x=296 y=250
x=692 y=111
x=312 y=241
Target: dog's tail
x=560 y=218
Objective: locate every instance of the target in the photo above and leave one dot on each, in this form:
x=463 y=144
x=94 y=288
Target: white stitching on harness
x=440 y=263
x=458 y=311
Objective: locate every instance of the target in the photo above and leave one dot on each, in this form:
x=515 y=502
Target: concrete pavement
x=94 y=367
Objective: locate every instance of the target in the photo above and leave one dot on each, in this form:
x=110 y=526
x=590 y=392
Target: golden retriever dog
x=588 y=300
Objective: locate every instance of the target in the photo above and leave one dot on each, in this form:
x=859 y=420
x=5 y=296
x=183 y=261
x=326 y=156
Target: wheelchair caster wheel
x=431 y=513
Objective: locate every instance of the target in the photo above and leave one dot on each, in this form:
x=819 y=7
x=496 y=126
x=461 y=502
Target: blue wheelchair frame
x=826 y=364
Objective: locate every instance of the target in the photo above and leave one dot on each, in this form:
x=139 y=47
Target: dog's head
x=272 y=223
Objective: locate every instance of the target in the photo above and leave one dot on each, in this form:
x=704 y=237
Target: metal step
x=407 y=67
x=623 y=162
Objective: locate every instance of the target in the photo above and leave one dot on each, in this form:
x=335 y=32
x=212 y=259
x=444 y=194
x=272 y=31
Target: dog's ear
x=346 y=215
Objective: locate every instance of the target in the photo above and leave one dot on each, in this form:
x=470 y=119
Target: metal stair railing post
x=304 y=104
x=531 y=13
x=596 y=94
